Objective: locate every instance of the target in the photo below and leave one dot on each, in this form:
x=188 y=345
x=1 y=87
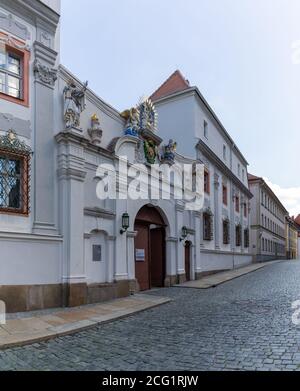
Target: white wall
x=54 y=4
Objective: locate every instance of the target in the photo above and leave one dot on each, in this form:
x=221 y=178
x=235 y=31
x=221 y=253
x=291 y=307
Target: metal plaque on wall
x=97 y=253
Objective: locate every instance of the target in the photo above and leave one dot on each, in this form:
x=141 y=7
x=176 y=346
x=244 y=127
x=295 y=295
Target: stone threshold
x=222 y=277
x=23 y=328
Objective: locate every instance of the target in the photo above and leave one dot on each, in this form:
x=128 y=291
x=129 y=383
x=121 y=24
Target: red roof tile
x=175 y=83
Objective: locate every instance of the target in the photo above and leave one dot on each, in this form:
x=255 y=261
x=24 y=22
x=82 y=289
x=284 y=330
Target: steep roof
x=297 y=219
x=175 y=83
x=253 y=177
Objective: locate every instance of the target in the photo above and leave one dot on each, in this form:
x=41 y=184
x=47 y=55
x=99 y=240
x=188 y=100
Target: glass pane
x=10 y=185
x=2 y=82
x=14 y=64
x=14 y=86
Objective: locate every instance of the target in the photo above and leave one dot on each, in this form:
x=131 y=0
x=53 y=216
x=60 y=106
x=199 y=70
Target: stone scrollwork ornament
x=12 y=143
x=74 y=98
x=44 y=73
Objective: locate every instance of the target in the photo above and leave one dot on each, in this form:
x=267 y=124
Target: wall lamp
x=184 y=233
x=125 y=223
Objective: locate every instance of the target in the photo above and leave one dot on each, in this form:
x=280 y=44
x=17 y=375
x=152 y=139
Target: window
x=238 y=238
x=14 y=187
x=239 y=170
x=243 y=175
x=206 y=182
x=224 y=152
x=226 y=231
x=245 y=209
x=263 y=244
x=225 y=195
x=246 y=238
x=205 y=125
x=14 y=72
x=207 y=226
x=237 y=204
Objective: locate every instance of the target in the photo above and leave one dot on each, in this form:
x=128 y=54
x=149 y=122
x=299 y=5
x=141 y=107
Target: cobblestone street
x=244 y=324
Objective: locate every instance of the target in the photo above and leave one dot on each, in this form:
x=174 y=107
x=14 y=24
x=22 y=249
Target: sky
x=244 y=56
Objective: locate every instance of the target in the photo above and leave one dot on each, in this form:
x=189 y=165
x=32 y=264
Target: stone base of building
x=170 y=281
x=22 y=298
x=82 y=294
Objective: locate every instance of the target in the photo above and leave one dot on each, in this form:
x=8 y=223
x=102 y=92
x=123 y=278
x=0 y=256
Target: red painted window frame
x=24 y=55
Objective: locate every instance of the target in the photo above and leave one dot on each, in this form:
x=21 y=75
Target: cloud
x=290 y=197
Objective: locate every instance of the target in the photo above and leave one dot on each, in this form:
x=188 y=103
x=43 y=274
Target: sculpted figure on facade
x=95 y=131
x=168 y=151
x=74 y=104
x=132 y=117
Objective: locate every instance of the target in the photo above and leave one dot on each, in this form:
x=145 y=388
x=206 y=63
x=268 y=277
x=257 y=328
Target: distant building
x=268 y=235
x=297 y=222
x=291 y=238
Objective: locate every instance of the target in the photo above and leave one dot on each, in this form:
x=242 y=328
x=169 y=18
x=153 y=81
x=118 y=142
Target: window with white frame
x=11 y=73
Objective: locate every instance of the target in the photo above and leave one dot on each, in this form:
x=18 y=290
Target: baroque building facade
x=268 y=219
x=225 y=220
x=60 y=244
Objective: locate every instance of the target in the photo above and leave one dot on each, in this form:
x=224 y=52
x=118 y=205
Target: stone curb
x=215 y=284
x=76 y=327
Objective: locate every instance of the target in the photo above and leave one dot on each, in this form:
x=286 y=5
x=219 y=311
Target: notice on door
x=140 y=255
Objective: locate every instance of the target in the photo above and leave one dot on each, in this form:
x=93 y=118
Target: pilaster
x=44 y=143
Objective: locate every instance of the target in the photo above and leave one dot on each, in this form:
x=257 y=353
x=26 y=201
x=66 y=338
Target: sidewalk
x=27 y=328
x=219 y=278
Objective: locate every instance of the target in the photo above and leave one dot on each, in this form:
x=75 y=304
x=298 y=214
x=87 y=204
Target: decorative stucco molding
x=11 y=25
x=45 y=74
x=10 y=41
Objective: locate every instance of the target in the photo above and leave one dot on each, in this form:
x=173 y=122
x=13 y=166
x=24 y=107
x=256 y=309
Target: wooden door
x=157 y=257
x=188 y=260
x=142 y=267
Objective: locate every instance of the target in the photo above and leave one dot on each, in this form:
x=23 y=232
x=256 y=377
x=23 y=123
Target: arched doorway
x=150 y=264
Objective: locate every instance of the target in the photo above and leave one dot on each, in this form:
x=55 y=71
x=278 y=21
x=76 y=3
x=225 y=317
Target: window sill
x=11 y=99
x=13 y=212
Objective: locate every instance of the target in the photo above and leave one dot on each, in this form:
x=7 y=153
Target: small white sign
x=140 y=255
x=2 y=312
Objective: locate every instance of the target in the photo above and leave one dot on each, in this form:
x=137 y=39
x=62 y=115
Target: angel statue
x=169 y=151
x=74 y=104
x=132 y=117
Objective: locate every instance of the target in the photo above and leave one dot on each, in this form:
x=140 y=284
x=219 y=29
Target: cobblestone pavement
x=244 y=324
